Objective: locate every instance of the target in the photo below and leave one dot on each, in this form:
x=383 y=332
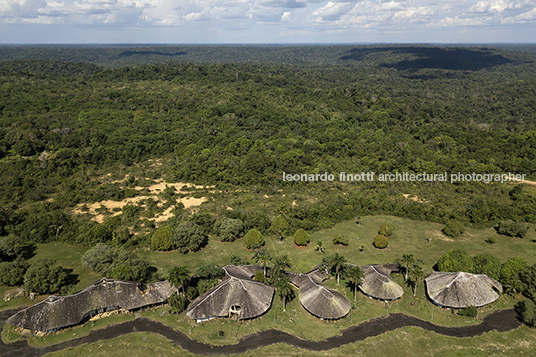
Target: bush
x=469 y=311
x=487 y=264
x=161 y=239
x=386 y=230
x=453 y=229
x=253 y=239
x=228 y=229
x=188 y=236
x=512 y=229
x=491 y=240
x=527 y=308
x=279 y=227
x=12 y=273
x=43 y=277
x=455 y=260
x=380 y=241
x=341 y=240
x=301 y=237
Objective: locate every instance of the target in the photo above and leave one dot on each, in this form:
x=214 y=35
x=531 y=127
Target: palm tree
x=179 y=276
x=355 y=275
x=337 y=262
x=407 y=261
x=284 y=290
x=417 y=275
x=280 y=264
x=320 y=247
x=263 y=257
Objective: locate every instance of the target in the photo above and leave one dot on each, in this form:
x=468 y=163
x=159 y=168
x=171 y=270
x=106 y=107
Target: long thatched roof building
x=58 y=312
x=459 y=290
x=236 y=296
x=377 y=282
x=317 y=299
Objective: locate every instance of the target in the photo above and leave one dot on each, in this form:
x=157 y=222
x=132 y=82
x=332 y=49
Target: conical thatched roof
x=318 y=300
x=378 y=284
x=105 y=295
x=237 y=292
x=461 y=289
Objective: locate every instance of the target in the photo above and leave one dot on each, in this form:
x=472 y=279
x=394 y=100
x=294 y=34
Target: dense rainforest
x=238 y=117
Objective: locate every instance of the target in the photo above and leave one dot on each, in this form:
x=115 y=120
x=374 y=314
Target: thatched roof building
x=318 y=300
x=377 y=282
x=58 y=312
x=459 y=290
x=236 y=296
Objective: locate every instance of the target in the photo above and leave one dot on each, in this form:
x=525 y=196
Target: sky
x=266 y=21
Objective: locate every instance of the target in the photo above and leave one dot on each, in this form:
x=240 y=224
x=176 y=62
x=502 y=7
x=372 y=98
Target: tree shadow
x=447 y=58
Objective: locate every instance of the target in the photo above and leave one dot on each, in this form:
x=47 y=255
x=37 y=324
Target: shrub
x=341 y=240
x=380 y=241
x=12 y=273
x=228 y=229
x=512 y=229
x=386 y=230
x=453 y=229
x=188 y=236
x=253 y=239
x=301 y=237
x=43 y=277
x=469 y=311
x=527 y=308
x=491 y=240
x=279 y=227
x=455 y=260
x=487 y=264
x=161 y=239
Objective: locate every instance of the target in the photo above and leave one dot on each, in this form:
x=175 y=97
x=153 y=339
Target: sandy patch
x=151 y=191
x=414 y=198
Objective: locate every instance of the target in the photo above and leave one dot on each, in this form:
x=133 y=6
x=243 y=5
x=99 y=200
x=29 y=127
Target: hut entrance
x=234 y=311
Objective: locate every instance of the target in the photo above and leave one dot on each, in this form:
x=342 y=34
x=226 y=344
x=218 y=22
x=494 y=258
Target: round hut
x=377 y=283
x=460 y=289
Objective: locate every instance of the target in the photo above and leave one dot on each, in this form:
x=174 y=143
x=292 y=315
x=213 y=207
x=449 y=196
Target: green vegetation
x=380 y=241
x=301 y=238
x=98 y=163
x=253 y=239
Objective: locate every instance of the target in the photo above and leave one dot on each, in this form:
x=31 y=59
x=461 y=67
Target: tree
x=528 y=278
x=453 y=228
x=509 y=275
x=279 y=226
x=512 y=229
x=228 y=229
x=188 y=236
x=237 y=260
x=487 y=264
x=527 y=308
x=386 y=229
x=280 y=264
x=416 y=275
x=263 y=257
x=161 y=239
x=13 y=246
x=355 y=276
x=43 y=277
x=301 y=237
x=320 y=247
x=334 y=262
x=380 y=242
x=253 y=239
x=284 y=289
x=407 y=261
x=12 y=273
x=179 y=277
x=99 y=258
x=455 y=260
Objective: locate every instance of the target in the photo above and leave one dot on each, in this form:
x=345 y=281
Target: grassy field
x=409 y=237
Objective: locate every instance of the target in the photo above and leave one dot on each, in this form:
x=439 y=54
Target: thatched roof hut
x=378 y=284
x=459 y=290
x=58 y=312
x=318 y=300
x=236 y=296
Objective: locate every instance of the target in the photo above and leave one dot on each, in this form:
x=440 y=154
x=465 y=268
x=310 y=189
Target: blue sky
x=267 y=21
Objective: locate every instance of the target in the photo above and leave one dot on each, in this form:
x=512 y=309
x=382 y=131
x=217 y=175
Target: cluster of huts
x=239 y=296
